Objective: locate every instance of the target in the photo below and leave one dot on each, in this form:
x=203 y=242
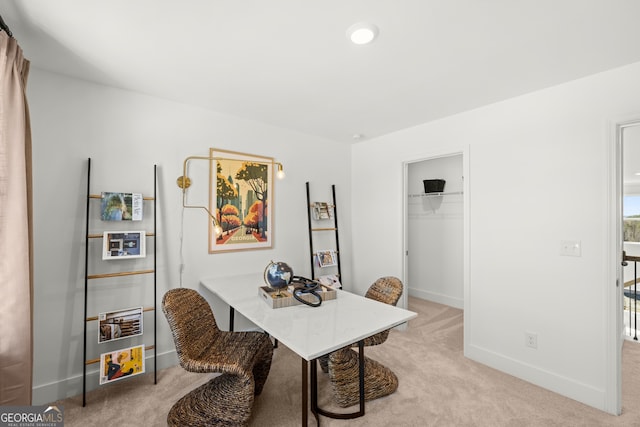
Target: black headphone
x=302 y=286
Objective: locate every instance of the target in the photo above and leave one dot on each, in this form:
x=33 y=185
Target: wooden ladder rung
x=99 y=196
x=122 y=273
x=317 y=253
x=100 y=236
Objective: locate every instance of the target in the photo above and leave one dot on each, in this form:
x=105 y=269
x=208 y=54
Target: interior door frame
x=464 y=152
x=615 y=277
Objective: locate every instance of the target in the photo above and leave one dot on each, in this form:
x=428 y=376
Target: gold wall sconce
x=184 y=182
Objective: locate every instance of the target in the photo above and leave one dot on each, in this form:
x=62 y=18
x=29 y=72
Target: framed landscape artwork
x=240 y=196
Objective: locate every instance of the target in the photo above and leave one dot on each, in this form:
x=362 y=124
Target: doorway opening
x=630 y=144
x=624 y=164
x=434 y=229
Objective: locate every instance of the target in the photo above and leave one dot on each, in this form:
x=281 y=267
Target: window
x=631 y=218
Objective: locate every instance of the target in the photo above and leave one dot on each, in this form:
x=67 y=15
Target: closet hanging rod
x=5 y=27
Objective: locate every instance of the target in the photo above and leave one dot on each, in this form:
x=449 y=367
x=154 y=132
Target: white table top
x=309 y=331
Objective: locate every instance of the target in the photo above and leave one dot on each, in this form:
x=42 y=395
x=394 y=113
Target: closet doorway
x=434 y=230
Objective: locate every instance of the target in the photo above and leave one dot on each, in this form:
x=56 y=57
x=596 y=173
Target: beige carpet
x=438 y=387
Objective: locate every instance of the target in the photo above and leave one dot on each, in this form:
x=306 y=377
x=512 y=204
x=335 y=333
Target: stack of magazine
x=322 y=210
x=330 y=280
x=122 y=323
x=326 y=258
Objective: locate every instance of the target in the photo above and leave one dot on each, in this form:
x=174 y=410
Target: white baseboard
x=564 y=386
x=46 y=393
x=439 y=298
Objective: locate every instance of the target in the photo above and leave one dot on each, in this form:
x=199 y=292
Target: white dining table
x=308 y=331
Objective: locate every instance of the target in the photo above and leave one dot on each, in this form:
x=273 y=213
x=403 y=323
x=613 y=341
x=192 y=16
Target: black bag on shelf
x=434 y=185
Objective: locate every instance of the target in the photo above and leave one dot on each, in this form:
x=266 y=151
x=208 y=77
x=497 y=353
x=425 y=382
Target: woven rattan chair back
x=192 y=324
x=388 y=290
x=243 y=359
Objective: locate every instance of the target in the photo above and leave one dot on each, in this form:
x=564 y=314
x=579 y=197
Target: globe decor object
x=278 y=275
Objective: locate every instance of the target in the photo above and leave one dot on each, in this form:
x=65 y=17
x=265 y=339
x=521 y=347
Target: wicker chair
x=386 y=289
x=342 y=365
x=242 y=358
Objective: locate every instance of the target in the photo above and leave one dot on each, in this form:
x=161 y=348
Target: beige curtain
x=16 y=266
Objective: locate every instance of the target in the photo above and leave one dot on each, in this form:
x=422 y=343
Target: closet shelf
x=446 y=193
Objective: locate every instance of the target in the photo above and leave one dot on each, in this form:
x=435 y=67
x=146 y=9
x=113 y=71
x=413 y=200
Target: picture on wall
x=119 y=364
x=121 y=206
x=240 y=196
x=120 y=324
x=123 y=244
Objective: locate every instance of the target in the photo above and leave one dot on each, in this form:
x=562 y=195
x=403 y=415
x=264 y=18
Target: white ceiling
x=289 y=63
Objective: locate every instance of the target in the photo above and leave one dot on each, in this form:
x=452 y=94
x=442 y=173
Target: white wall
x=125 y=134
x=435 y=232
x=538 y=174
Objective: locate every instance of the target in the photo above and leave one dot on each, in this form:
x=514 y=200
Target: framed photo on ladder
x=123 y=244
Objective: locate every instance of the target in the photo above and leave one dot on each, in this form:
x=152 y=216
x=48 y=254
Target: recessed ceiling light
x=637 y=173
x=362 y=33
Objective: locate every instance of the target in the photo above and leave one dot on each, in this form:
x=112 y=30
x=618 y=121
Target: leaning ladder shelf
x=312 y=230
x=88 y=277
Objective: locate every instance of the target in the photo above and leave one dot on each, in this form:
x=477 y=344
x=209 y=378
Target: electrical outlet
x=531 y=340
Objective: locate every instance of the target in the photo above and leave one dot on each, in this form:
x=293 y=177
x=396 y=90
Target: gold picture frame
x=241 y=198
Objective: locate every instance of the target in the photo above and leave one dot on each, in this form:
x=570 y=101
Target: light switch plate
x=570 y=248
